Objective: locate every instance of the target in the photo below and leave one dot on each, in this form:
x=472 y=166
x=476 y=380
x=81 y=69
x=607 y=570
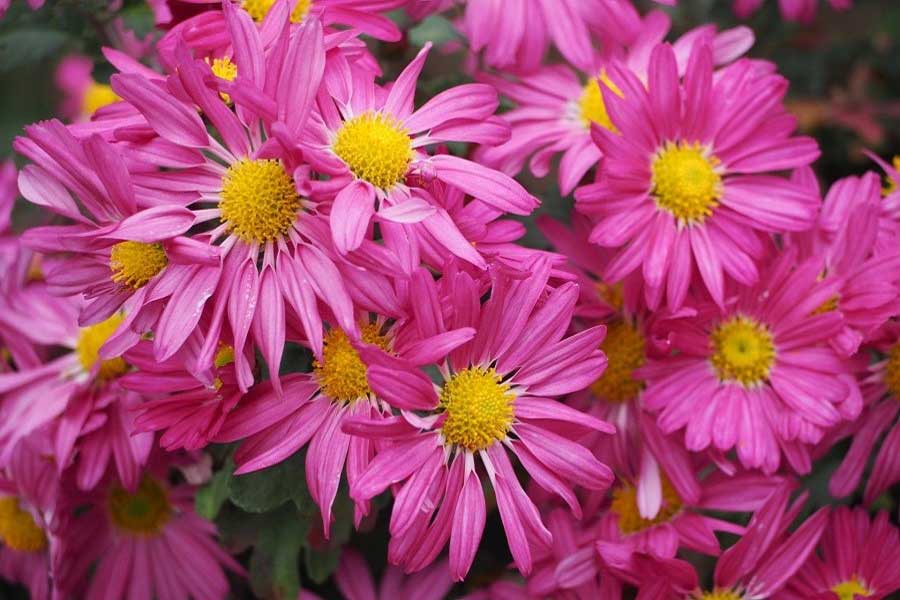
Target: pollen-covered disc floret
x=720 y=594
x=375 y=147
x=479 y=408
x=97 y=96
x=743 y=351
x=259 y=202
x=892 y=371
x=686 y=181
x=851 y=589
x=224 y=68
x=624 y=346
x=341 y=373
x=591 y=108
x=133 y=264
x=144 y=512
x=258 y=9
x=624 y=505
x=91 y=339
x=18 y=529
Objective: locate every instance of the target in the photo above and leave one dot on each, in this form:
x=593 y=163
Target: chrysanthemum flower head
x=493 y=397
x=684 y=189
x=803 y=11
x=759 y=377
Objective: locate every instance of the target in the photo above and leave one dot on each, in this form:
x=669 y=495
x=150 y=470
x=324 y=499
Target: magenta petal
x=350 y=215
x=468 y=526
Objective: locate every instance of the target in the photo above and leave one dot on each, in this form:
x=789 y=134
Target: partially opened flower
x=557 y=105
x=881 y=393
x=858 y=557
x=314 y=407
x=371 y=142
x=685 y=189
x=493 y=397
x=147 y=542
x=803 y=11
x=759 y=377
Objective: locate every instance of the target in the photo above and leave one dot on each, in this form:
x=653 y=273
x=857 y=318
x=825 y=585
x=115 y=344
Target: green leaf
x=435 y=29
x=210 y=497
x=320 y=564
x=268 y=489
x=275 y=564
x=26 y=46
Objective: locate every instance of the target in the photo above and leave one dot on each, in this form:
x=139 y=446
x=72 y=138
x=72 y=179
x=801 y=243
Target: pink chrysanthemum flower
x=758 y=566
x=189 y=411
x=355 y=582
x=803 y=11
x=316 y=405
x=82 y=94
x=684 y=187
x=881 y=392
x=120 y=242
x=493 y=398
x=75 y=398
x=557 y=105
x=889 y=215
x=845 y=241
x=371 y=143
x=148 y=542
x=28 y=487
x=759 y=377
x=859 y=557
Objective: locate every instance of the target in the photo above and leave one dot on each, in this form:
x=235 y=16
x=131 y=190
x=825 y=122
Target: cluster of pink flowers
x=706 y=325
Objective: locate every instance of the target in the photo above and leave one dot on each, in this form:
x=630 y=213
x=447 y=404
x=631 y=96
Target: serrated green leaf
x=22 y=47
x=209 y=499
x=268 y=489
x=435 y=29
x=275 y=564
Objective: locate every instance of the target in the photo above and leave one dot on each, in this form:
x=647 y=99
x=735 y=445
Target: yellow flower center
x=720 y=594
x=223 y=68
x=375 y=147
x=892 y=371
x=91 y=339
x=18 y=529
x=743 y=350
x=224 y=356
x=591 y=108
x=479 y=408
x=133 y=264
x=612 y=294
x=685 y=181
x=624 y=347
x=259 y=202
x=850 y=589
x=890 y=184
x=258 y=9
x=624 y=505
x=144 y=512
x=96 y=97
x=342 y=373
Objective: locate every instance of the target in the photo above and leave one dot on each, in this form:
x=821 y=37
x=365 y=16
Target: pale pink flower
x=684 y=192
x=494 y=397
x=371 y=141
x=858 y=557
x=759 y=377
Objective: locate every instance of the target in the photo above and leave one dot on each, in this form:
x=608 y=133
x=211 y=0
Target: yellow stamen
x=91 y=339
x=624 y=347
x=720 y=594
x=259 y=202
x=145 y=512
x=342 y=373
x=224 y=68
x=624 y=505
x=18 y=529
x=224 y=356
x=96 y=97
x=613 y=294
x=133 y=264
x=828 y=306
x=686 y=181
x=375 y=147
x=890 y=183
x=479 y=408
x=591 y=108
x=851 y=589
x=892 y=371
x=258 y=9
x=743 y=351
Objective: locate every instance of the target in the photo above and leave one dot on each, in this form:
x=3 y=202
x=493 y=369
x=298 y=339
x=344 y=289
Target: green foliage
x=435 y=29
x=22 y=47
x=266 y=490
